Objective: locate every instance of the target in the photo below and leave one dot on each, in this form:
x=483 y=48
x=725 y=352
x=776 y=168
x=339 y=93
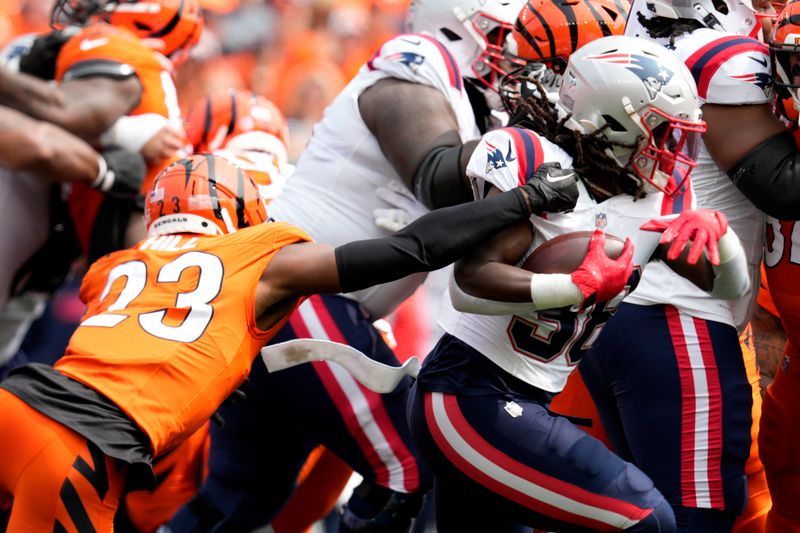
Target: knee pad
x=394 y=516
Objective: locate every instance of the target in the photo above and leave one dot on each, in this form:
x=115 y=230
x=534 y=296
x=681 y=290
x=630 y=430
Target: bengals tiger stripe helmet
x=170 y=27
x=548 y=31
x=203 y=194
x=238 y=120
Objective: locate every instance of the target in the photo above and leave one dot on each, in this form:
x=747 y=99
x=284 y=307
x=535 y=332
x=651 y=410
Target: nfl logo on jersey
x=600 y=220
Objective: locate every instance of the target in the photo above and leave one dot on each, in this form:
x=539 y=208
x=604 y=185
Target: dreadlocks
x=663 y=27
x=590 y=152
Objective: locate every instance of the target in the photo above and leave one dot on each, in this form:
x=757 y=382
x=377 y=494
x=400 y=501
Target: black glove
x=552 y=189
x=124 y=174
x=40 y=60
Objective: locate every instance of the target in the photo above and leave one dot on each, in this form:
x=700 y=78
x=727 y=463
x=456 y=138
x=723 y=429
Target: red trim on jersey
x=706 y=61
x=499 y=458
x=530 y=153
x=453 y=72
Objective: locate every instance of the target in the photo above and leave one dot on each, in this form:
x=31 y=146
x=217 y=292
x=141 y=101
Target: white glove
x=405 y=208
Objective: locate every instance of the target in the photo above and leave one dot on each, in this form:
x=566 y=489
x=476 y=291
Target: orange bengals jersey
x=782 y=266
x=169 y=331
x=105 y=43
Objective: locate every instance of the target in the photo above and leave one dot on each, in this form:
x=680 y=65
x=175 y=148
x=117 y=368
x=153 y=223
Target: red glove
x=703 y=226
x=599 y=276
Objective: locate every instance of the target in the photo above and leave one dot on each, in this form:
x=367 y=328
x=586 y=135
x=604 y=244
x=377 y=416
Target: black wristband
x=431 y=242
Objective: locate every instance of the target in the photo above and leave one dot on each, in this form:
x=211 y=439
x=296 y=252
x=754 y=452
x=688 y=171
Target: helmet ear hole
x=450 y=34
x=721 y=6
x=614 y=124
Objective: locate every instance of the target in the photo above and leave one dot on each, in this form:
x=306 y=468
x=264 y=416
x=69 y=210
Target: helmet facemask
x=661 y=159
x=75 y=12
x=492 y=63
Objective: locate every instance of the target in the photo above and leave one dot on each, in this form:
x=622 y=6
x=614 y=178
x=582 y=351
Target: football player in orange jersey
x=778 y=437
x=119 y=66
x=174 y=323
x=251 y=132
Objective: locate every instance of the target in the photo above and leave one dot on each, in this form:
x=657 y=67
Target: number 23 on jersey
x=188 y=314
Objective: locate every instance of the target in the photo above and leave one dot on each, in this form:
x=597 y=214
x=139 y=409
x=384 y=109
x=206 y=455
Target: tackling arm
x=432 y=241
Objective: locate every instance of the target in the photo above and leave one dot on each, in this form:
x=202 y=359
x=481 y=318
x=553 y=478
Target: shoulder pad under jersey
x=507 y=157
x=729 y=69
x=418 y=58
x=104 y=50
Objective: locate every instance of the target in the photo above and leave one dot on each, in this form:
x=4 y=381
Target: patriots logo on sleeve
x=495 y=159
x=762 y=80
x=653 y=75
x=409 y=59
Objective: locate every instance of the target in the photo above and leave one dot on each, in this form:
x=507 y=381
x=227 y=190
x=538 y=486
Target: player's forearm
x=45 y=150
x=431 y=242
x=31 y=96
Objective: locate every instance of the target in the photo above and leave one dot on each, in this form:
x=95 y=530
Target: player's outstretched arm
x=758 y=154
x=431 y=242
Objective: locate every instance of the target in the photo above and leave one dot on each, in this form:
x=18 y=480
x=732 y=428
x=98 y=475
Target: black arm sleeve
x=432 y=241
x=439 y=179
x=769 y=176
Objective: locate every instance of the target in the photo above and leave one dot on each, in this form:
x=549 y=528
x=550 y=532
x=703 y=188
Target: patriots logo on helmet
x=409 y=59
x=762 y=80
x=653 y=75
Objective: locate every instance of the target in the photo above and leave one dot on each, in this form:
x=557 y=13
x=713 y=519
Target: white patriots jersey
x=332 y=191
x=543 y=347
x=729 y=69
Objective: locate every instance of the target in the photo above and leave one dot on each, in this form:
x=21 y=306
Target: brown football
x=564 y=253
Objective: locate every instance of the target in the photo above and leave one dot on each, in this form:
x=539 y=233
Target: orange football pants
x=60 y=482
x=753 y=519
x=779 y=439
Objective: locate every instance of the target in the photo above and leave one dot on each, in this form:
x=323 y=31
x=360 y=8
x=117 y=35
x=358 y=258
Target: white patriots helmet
x=640 y=95
x=733 y=16
x=473 y=31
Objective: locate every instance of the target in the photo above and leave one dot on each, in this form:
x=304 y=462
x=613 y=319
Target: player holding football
x=694 y=442
x=479 y=414
x=173 y=325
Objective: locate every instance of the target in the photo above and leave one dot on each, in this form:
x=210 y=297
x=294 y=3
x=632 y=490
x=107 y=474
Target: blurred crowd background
x=297 y=53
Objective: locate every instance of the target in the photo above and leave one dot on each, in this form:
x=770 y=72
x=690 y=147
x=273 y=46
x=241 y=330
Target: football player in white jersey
x=479 y=411
x=695 y=440
x=413 y=114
